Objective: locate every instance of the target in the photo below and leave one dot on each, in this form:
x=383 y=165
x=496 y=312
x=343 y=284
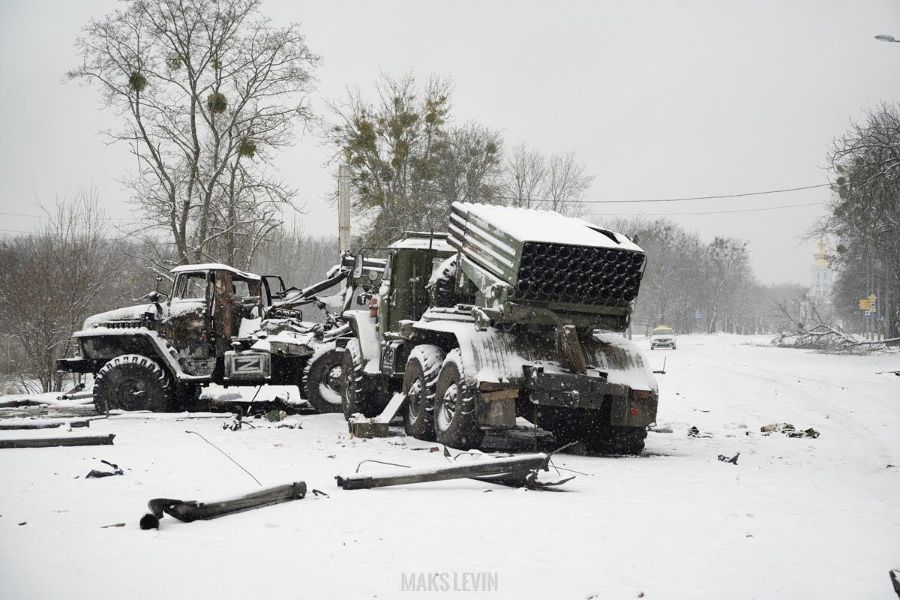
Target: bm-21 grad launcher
x=523 y=319
x=531 y=264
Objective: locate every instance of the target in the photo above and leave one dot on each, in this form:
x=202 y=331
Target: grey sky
x=658 y=99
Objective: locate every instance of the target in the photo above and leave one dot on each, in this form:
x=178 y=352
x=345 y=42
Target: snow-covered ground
x=795 y=518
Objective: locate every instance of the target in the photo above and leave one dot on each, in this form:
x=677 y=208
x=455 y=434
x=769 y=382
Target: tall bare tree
x=209 y=91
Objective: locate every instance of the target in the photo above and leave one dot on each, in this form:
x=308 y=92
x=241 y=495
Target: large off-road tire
x=355 y=397
x=455 y=417
x=322 y=380
x=419 y=379
x=132 y=382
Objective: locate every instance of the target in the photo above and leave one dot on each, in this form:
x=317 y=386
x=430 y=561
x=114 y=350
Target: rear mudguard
x=504 y=365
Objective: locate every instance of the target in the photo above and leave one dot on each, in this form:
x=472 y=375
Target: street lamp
x=886 y=38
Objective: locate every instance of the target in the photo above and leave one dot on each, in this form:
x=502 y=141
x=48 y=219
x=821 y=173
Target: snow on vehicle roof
x=214 y=267
x=533 y=225
x=424 y=242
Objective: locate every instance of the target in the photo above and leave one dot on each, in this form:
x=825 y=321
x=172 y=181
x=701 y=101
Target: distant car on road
x=662 y=337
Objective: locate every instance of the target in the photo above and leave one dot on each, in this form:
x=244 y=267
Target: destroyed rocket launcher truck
x=513 y=313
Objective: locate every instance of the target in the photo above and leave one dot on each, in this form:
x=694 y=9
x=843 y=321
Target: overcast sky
x=657 y=99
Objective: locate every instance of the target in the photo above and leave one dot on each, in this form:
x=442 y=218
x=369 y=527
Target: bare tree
x=525 y=172
x=209 y=91
x=566 y=184
x=726 y=267
x=532 y=181
x=51 y=281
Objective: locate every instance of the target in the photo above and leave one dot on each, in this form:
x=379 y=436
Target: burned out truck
x=218 y=325
x=513 y=313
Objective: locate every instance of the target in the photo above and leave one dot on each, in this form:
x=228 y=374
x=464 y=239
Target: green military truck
x=513 y=313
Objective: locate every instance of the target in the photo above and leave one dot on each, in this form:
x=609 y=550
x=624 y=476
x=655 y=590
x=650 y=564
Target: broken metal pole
x=43 y=424
x=191 y=510
x=500 y=466
x=90 y=440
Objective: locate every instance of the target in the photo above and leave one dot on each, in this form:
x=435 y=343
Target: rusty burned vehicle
x=219 y=325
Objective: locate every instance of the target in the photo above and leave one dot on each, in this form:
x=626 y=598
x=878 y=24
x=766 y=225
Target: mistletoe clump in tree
x=209 y=92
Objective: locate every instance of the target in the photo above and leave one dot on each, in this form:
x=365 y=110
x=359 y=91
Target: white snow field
x=794 y=518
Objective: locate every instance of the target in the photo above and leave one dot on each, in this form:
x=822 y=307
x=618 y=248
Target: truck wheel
x=132 y=382
x=322 y=379
x=455 y=418
x=616 y=440
x=564 y=424
x=355 y=398
x=418 y=384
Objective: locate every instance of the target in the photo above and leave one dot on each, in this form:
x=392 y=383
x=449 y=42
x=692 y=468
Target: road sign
x=867 y=304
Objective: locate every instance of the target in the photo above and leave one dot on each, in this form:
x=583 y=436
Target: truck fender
x=148 y=342
x=453 y=334
x=364 y=327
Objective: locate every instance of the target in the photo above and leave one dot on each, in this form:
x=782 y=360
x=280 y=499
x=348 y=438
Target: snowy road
x=795 y=518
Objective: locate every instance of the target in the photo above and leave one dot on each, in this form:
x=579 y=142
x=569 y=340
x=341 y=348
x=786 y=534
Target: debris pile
x=95 y=474
x=789 y=430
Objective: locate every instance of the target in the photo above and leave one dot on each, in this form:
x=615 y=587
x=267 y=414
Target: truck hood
x=119 y=314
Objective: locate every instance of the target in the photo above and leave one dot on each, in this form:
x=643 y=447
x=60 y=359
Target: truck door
x=187 y=324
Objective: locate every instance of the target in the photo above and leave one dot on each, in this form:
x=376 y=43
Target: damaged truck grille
x=586 y=275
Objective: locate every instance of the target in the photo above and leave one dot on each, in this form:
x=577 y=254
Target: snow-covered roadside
x=795 y=518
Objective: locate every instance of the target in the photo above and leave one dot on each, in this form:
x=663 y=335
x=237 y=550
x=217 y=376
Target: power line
x=680 y=199
x=687 y=198
x=706 y=212
x=15 y=214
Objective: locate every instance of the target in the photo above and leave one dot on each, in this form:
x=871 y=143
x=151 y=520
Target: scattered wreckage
x=188 y=511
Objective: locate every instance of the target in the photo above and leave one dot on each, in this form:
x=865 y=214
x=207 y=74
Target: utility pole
x=344 y=208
